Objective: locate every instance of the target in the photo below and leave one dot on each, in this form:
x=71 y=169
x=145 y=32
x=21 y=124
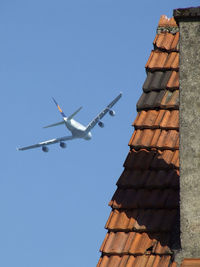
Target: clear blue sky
x=53 y=206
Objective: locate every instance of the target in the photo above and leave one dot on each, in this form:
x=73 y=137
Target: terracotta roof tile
x=159 y=80
x=165 y=21
x=150 y=220
x=156 y=60
x=161 y=139
x=163 y=99
x=163 y=60
x=136 y=243
x=136 y=261
x=191 y=263
x=167 y=41
x=172 y=61
x=163 y=119
x=173 y=80
x=145 y=199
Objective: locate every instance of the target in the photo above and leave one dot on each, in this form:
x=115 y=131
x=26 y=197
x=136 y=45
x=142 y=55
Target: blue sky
x=54 y=205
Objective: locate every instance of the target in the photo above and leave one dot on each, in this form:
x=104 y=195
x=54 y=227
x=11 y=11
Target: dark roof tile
x=159 y=80
x=156 y=80
x=163 y=99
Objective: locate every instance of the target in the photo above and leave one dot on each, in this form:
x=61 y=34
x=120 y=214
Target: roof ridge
x=167 y=25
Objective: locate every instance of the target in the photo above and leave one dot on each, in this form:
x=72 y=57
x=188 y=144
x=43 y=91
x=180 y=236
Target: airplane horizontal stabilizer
x=54 y=124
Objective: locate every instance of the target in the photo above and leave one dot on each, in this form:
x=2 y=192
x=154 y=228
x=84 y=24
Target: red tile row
x=136 y=243
x=130 y=198
x=163 y=119
x=154 y=159
x=163 y=60
x=167 y=41
x=150 y=138
x=148 y=220
x=149 y=179
x=135 y=261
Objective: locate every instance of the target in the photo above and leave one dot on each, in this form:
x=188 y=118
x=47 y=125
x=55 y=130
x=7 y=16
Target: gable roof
x=143 y=226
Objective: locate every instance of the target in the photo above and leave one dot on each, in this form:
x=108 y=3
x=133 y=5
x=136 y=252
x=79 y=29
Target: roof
x=143 y=226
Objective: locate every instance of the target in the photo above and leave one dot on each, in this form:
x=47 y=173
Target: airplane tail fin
x=63 y=114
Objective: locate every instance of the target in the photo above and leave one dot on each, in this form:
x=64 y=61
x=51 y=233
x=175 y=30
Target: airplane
x=77 y=129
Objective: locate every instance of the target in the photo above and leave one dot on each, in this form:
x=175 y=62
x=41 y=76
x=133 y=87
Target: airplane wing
x=102 y=113
x=48 y=142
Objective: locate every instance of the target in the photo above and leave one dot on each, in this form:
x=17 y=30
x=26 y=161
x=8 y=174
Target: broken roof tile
x=163 y=99
x=165 y=21
x=167 y=41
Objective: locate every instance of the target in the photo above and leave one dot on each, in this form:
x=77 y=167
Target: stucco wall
x=190 y=138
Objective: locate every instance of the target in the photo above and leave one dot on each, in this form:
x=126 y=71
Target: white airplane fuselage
x=77 y=129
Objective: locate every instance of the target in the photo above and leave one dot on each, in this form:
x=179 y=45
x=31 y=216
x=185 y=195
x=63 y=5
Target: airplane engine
x=112 y=113
x=45 y=149
x=101 y=124
x=63 y=145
